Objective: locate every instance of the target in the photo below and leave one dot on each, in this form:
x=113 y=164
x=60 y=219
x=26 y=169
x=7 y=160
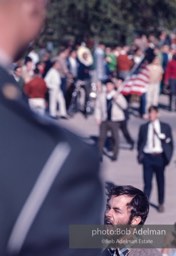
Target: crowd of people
x=65 y=70
x=47 y=184
x=51 y=83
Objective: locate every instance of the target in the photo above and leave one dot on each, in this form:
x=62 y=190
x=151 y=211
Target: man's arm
x=98 y=111
x=170 y=138
x=121 y=101
x=140 y=138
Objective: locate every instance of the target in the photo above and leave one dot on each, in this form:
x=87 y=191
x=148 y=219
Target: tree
x=106 y=20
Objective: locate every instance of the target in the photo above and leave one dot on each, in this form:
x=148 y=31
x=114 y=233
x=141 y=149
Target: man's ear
x=136 y=220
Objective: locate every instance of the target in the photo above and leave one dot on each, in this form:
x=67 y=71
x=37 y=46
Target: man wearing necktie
x=155 y=149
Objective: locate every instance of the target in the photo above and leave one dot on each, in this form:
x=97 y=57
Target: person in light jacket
x=108 y=113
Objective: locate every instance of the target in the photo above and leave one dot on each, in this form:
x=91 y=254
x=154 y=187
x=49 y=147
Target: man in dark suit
x=155 y=149
x=48 y=175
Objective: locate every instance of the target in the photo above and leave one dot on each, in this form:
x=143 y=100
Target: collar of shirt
x=121 y=252
x=153 y=143
x=5 y=60
x=110 y=95
x=155 y=123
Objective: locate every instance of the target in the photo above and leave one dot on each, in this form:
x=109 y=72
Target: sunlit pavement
x=126 y=170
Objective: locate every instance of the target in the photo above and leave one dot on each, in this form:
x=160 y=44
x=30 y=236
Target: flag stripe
x=137 y=84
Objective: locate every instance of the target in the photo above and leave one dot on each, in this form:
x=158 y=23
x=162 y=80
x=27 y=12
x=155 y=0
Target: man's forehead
x=119 y=200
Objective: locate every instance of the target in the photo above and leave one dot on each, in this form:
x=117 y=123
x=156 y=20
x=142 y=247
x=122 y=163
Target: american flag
x=137 y=83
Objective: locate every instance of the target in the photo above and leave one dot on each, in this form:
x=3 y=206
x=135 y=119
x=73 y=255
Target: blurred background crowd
x=145 y=68
x=110 y=60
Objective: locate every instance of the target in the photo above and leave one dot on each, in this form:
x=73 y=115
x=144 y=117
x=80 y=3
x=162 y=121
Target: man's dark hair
x=16 y=67
x=109 y=81
x=139 y=204
x=27 y=59
x=38 y=63
x=120 y=78
x=36 y=71
x=153 y=108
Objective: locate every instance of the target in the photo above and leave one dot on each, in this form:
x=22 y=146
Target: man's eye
x=107 y=207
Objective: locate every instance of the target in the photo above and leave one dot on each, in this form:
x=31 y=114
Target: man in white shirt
x=155 y=149
x=34 y=56
x=73 y=64
x=53 y=81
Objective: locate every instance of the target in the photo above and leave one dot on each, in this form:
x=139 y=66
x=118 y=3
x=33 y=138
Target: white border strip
x=37 y=197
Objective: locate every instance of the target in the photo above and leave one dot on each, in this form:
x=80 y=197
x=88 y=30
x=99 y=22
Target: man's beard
x=107 y=221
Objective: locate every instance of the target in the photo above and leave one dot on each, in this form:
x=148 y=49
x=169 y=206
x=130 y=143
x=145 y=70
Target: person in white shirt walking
x=53 y=81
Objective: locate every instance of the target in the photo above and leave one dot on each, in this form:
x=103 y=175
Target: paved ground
x=126 y=170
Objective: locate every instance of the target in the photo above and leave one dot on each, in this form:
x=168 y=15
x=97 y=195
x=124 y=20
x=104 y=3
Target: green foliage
x=107 y=20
